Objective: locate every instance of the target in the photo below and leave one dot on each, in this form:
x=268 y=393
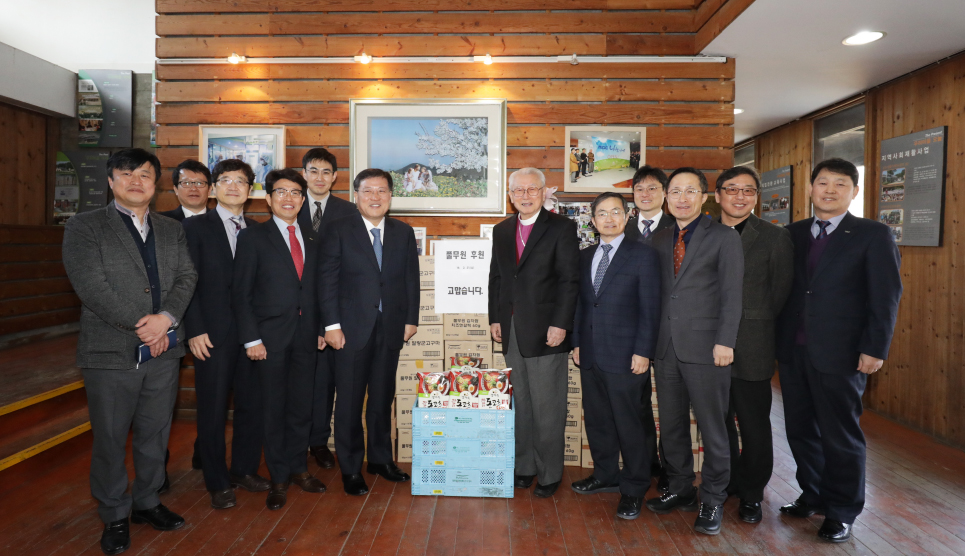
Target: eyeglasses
x=193 y=184
x=233 y=181
x=734 y=190
x=380 y=192
x=650 y=189
x=689 y=193
x=293 y=193
x=526 y=192
x=615 y=213
x=315 y=172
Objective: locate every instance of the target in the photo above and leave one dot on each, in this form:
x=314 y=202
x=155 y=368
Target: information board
x=911 y=187
x=776 y=190
x=462 y=275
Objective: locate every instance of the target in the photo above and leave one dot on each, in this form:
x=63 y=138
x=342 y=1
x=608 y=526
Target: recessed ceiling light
x=738 y=111
x=864 y=37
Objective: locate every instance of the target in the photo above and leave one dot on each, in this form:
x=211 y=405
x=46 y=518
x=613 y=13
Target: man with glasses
x=703 y=269
x=273 y=297
x=768 y=272
x=369 y=297
x=321 y=207
x=192 y=182
x=533 y=284
x=649 y=192
x=220 y=363
x=614 y=336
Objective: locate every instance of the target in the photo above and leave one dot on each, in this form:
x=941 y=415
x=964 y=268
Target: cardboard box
x=426 y=344
x=427 y=273
x=698 y=459
x=574 y=386
x=499 y=361
x=403 y=411
x=406 y=383
x=472 y=349
x=497 y=346
x=574 y=417
x=427 y=309
x=572 y=450
x=466 y=326
x=404 y=445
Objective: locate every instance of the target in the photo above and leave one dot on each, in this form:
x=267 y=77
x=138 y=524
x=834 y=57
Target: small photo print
x=892 y=217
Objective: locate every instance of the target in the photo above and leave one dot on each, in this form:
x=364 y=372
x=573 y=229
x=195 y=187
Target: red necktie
x=679 y=250
x=296 y=251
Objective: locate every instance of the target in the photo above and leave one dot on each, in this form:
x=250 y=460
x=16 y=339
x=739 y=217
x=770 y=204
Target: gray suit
x=107 y=271
x=701 y=308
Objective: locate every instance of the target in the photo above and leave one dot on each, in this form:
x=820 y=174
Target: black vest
x=148 y=256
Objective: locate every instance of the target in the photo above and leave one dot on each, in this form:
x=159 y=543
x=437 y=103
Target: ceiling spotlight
x=574 y=61
x=488 y=60
x=363 y=59
x=234 y=58
x=738 y=111
x=864 y=37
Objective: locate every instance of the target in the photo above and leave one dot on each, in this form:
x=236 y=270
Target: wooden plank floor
x=38 y=367
x=915 y=505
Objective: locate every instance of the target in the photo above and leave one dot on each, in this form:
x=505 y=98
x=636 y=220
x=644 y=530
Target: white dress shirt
x=368 y=228
x=834 y=220
x=229 y=226
x=188 y=213
x=143 y=226
x=654 y=222
x=311 y=204
x=598 y=255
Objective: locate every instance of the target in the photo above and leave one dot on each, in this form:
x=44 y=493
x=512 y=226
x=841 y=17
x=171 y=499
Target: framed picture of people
x=603 y=158
x=445 y=156
x=261 y=146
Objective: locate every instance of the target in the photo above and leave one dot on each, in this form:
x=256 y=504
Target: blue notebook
x=144 y=351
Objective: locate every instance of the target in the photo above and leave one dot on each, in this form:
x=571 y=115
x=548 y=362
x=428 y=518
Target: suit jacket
x=702 y=304
x=267 y=297
x=541 y=290
x=210 y=311
x=768 y=273
x=850 y=304
x=633 y=227
x=335 y=208
x=176 y=214
x=106 y=270
x=622 y=319
x=351 y=284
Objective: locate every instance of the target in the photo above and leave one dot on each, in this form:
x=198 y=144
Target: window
x=841 y=135
x=744 y=155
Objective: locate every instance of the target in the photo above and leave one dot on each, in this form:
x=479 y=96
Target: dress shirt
x=598 y=255
x=188 y=213
x=834 y=220
x=654 y=222
x=311 y=203
x=229 y=226
x=530 y=221
x=368 y=230
x=144 y=228
x=283 y=228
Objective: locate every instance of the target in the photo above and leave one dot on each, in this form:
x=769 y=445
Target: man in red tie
x=274 y=302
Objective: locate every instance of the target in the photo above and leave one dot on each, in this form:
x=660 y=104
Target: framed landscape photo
x=445 y=156
x=603 y=158
x=261 y=146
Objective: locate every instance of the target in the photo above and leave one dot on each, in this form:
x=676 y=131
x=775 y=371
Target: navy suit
x=176 y=214
x=612 y=325
x=847 y=304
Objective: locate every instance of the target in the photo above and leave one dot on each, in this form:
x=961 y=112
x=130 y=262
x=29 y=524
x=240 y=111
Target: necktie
x=236 y=220
x=646 y=228
x=679 y=250
x=296 y=247
x=317 y=218
x=601 y=268
x=823 y=224
x=377 y=245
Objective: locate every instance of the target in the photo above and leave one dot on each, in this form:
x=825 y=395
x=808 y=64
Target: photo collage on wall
x=579 y=212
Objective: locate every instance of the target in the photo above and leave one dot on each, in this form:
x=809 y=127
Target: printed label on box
x=426 y=344
x=427 y=273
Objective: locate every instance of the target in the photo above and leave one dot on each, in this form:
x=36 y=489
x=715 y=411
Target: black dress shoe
x=306 y=482
x=800 y=508
x=523 y=481
x=663 y=483
x=223 y=499
x=545 y=491
x=592 y=485
x=708 y=519
x=834 y=531
x=166 y=485
x=390 y=471
x=251 y=483
x=195 y=460
x=669 y=502
x=116 y=537
x=750 y=512
x=629 y=507
x=277 y=496
x=355 y=484
x=158 y=517
x=323 y=456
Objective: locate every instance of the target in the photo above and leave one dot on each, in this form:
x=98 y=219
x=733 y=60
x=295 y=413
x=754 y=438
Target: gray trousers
x=539 y=392
x=118 y=400
x=707 y=388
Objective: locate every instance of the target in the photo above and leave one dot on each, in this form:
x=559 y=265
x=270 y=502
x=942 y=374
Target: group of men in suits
x=707 y=305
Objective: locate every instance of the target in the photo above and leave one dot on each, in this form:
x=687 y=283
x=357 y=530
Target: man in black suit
x=703 y=270
x=834 y=331
x=583 y=162
x=533 y=284
x=649 y=192
x=192 y=184
x=273 y=291
x=369 y=297
x=220 y=363
x=768 y=270
x=614 y=336
x=321 y=207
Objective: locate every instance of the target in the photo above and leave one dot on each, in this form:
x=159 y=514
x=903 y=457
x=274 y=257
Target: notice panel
x=462 y=275
x=776 y=196
x=911 y=187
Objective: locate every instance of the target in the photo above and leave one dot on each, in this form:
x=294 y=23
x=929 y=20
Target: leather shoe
x=523 y=481
x=629 y=507
x=592 y=485
x=390 y=471
x=251 y=483
x=834 y=531
x=663 y=483
x=800 y=508
x=323 y=456
x=277 y=496
x=355 y=484
x=158 y=517
x=223 y=499
x=708 y=519
x=116 y=537
x=306 y=482
x=545 y=491
x=166 y=485
x=669 y=502
x=750 y=512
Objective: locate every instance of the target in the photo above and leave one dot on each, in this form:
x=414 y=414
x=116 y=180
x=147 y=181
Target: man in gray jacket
x=135 y=279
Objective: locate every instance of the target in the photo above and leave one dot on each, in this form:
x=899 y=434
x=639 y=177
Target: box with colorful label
x=482 y=350
x=406 y=382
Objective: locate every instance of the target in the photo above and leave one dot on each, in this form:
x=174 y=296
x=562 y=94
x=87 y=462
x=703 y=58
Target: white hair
x=527 y=172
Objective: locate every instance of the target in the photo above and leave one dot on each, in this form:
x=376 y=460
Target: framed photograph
x=445 y=156
x=603 y=158
x=486 y=231
x=261 y=146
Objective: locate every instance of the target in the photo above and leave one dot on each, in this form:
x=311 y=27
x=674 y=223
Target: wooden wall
x=28 y=150
x=790 y=145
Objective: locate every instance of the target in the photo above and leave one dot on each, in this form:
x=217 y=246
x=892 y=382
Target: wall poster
x=462 y=275
x=104 y=107
x=911 y=187
x=776 y=187
x=80 y=183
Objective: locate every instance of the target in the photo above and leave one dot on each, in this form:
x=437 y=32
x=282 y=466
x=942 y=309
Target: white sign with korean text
x=462 y=275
